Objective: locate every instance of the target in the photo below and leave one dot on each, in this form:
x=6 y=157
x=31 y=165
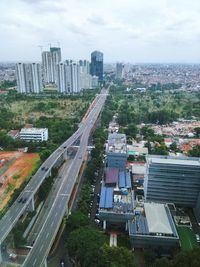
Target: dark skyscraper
x=97 y=64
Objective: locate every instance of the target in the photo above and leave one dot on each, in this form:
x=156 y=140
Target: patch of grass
x=187 y=238
x=9 y=188
x=16 y=176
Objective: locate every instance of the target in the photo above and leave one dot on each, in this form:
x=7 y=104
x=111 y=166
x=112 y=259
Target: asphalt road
x=49 y=229
x=17 y=209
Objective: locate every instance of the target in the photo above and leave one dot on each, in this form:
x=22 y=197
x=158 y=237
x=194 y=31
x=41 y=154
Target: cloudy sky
x=124 y=30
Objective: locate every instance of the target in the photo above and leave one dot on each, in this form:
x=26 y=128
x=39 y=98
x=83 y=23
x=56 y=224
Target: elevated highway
x=58 y=209
x=45 y=239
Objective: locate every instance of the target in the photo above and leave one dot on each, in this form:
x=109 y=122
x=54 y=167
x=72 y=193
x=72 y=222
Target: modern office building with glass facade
x=172 y=180
x=97 y=64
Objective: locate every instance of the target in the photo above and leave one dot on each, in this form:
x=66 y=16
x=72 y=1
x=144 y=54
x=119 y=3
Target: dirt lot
x=15 y=168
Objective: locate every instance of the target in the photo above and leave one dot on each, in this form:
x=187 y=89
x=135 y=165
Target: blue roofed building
x=116 y=198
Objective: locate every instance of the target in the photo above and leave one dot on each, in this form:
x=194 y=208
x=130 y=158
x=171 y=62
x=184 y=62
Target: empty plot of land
x=63 y=108
x=15 y=168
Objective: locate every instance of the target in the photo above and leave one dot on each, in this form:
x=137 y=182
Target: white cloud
x=130 y=30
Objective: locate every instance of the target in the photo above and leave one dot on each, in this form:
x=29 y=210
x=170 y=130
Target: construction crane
x=40 y=46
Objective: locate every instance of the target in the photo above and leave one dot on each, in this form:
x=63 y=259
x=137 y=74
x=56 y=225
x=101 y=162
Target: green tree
x=195 y=152
x=197 y=130
x=76 y=220
x=131 y=130
x=164 y=262
x=173 y=146
x=116 y=257
x=84 y=246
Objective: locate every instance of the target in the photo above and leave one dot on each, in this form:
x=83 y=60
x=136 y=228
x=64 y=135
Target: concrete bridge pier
x=1 y=258
x=104 y=225
x=45 y=263
x=126 y=227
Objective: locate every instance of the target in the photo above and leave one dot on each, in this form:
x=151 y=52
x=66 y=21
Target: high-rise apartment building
x=172 y=180
x=85 y=80
x=84 y=66
x=64 y=78
x=49 y=61
x=119 y=70
x=75 y=77
x=97 y=64
x=68 y=75
x=29 y=78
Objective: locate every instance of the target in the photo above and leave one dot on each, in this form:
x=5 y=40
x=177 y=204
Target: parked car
x=62 y=263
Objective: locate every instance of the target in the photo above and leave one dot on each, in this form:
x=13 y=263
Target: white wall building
x=47 y=67
x=95 y=81
x=34 y=134
x=119 y=70
x=50 y=59
x=86 y=81
x=68 y=74
x=75 y=77
x=64 y=78
x=29 y=78
x=84 y=66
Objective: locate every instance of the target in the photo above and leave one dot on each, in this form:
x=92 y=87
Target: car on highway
x=23 y=200
x=43 y=168
x=20 y=200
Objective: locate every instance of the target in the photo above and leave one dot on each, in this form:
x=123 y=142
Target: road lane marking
x=47 y=235
x=34 y=262
x=41 y=247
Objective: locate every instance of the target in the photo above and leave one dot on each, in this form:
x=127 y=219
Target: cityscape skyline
x=159 y=31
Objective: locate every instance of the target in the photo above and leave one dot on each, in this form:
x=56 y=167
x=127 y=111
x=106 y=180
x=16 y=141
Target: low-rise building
x=116 y=201
x=137 y=150
x=13 y=134
x=116 y=151
x=34 y=134
x=153 y=228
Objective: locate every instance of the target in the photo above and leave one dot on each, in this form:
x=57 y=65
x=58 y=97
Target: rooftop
x=157 y=219
x=117 y=143
x=174 y=160
x=32 y=130
x=112 y=175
